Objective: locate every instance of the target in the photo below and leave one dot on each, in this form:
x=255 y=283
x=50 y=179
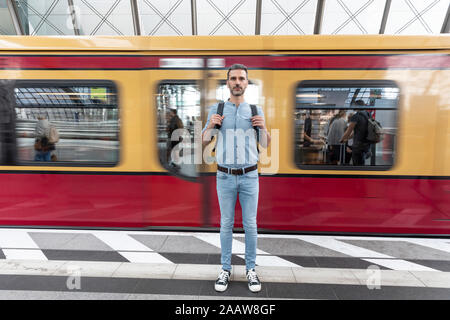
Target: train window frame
x=32 y=83
x=350 y=83
x=200 y=84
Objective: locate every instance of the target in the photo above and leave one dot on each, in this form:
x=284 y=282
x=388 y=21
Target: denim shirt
x=236 y=142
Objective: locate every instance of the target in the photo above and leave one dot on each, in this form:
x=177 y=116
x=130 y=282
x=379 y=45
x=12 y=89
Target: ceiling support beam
x=73 y=14
x=387 y=9
x=194 y=17
x=136 y=21
x=446 y=25
x=14 y=12
x=258 y=17
x=319 y=16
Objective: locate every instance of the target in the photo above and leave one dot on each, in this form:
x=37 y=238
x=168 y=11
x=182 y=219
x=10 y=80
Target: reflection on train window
x=252 y=93
x=67 y=124
x=332 y=124
x=178 y=105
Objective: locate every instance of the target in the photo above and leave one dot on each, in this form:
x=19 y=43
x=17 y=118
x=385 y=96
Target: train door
x=175 y=187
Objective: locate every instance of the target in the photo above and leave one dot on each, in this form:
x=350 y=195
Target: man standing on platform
x=240 y=126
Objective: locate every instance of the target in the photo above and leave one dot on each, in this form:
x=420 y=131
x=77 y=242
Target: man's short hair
x=360 y=102
x=237 y=66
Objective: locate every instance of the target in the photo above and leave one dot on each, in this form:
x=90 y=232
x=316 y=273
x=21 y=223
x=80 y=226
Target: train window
x=7 y=117
x=332 y=124
x=58 y=123
x=178 y=105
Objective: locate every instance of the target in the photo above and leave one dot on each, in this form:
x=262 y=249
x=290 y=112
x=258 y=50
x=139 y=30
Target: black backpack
x=254 y=113
x=374 y=130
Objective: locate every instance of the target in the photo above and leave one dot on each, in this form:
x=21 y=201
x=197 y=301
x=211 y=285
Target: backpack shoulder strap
x=219 y=112
x=254 y=110
x=220 y=107
x=255 y=113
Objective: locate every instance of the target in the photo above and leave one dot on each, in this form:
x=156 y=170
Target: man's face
x=237 y=82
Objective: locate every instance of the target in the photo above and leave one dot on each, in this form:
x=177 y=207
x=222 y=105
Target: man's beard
x=239 y=93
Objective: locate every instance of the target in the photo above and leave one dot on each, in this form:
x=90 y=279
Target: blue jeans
x=228 y=187
x=42 y=156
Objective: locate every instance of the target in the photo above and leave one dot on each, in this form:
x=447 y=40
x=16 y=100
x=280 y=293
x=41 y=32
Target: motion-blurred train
x=108 y=98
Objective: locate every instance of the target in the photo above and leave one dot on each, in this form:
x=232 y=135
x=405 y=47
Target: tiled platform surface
x=95 y=264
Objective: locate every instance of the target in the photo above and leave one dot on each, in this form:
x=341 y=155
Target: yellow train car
x=111 y=162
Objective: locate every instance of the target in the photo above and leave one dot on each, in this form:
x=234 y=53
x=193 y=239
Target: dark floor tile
x=300 y=291
x=192 y=258
x=306 y=262
x=84 y=255
x=185 y=258
x=350 y=292
x=172 y=287
x=350 y=263
x=5 y=280
x=35 y=283
x=111 y=285
x=235 y=260
x=434 y=264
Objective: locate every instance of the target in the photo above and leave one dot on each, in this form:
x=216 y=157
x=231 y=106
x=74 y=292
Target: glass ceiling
x=218 y=17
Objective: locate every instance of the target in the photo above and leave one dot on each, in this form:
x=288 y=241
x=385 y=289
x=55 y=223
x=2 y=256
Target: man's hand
x=258 y=121
x=215 y=119
x=207 y=135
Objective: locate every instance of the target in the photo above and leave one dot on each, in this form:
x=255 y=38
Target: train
x=112 y=166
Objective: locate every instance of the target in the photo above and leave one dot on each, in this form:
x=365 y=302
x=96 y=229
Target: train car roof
x=233 y=43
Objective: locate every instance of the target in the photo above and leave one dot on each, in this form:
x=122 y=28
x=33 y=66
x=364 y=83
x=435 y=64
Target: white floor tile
x=197 y=272
x=325 y=275
x=88 y=269
x=145 y=257
x=391 y=278
x=272 y=261
x=345 y=248
x=433 y=279
x=23 y=254
x=400 y=265
x=31 y=267
x=16 y=239
x=145 y=270
x=120 y=241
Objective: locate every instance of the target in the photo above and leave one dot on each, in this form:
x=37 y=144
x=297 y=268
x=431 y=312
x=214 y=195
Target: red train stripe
x=315 y=62
x=344 y=62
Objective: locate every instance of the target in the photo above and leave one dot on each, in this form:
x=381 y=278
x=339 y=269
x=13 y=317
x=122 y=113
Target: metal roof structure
x=217 y=17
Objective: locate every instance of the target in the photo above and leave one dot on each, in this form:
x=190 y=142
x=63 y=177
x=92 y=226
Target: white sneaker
x=253 y=281
x=222 y=281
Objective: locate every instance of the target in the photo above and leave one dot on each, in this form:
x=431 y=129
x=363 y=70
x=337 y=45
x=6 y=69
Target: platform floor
x=96 y=264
